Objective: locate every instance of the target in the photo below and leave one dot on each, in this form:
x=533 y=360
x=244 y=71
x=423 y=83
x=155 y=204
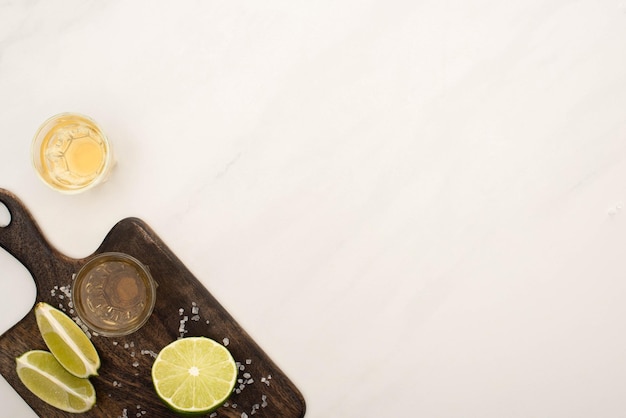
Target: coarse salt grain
x=149 y=352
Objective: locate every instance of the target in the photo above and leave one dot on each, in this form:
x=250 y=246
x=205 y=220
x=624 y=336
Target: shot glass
x=71 y=153
x=114 y=294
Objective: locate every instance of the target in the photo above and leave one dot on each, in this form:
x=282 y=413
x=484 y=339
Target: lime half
x=66 y=341
x=42 y=374
x=194 y=375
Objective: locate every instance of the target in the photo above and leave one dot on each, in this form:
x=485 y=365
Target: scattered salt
x=225 y=341
x=149 y=352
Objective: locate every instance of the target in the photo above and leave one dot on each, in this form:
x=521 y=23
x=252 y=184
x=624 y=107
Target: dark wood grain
x=124 y=386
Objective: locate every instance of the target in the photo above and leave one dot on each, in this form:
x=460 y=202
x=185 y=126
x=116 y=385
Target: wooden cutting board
x=184 y=307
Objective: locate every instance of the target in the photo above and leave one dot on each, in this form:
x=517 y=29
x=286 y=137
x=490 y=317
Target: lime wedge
x=66 y=341
x=194 y=375
x=42 y=374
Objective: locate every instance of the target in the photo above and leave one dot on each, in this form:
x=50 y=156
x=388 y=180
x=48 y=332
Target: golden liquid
x=73 y=153
x=114 y=296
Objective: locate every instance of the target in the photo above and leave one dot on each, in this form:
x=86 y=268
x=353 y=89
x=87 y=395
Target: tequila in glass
x=71 y=153
x=114 y=294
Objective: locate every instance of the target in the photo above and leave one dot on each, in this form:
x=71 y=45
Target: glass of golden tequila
x=114 y=294
x=71 y=153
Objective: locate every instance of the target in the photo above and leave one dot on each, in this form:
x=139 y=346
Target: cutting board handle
x=22 y=237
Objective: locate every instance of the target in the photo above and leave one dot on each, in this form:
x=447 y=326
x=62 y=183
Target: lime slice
x=42 y=374
x=66 y=341
x=194 y=375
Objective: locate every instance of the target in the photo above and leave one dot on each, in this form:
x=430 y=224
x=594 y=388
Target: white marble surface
x=417 y=208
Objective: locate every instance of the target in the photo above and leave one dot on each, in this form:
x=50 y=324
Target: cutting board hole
x=5 y=215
